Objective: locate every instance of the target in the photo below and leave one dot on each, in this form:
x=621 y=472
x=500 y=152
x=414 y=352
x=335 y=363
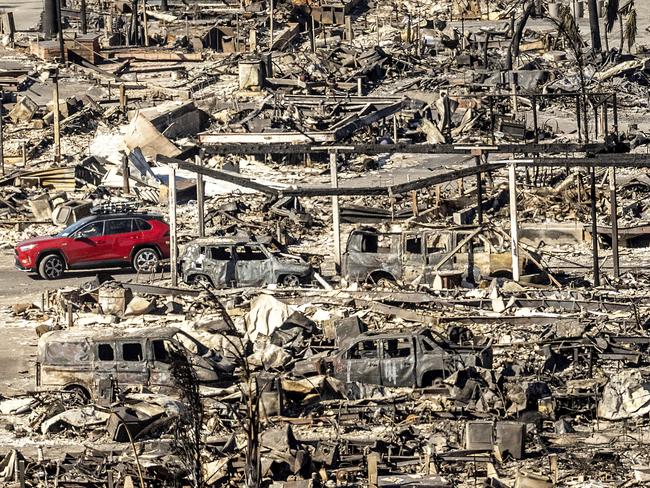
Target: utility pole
x=146 y=23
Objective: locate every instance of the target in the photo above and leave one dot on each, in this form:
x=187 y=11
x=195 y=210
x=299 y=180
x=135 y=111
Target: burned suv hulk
x=90 y=362
x=233 y=262
x=419 y=255
x=408 y=358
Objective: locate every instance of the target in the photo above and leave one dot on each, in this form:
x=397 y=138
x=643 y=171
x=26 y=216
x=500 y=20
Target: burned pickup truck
x=234 y=262
x=418 y=256
x=407 y=358
x=91 y=363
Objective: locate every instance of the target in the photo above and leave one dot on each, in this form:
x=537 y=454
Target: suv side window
x=139 y=224
x=250 y=253
x=117 y=226
x=397 y=348
x=364 y=350
x=105 y=352
x=132 y=351
x=94 y=229
x=221 y=253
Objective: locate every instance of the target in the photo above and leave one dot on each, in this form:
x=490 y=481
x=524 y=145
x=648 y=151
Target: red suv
x=100 y=241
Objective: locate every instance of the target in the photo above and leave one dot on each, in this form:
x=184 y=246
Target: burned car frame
x=418 y=256
x=233 y=262
x=90 y=363
x=407 y=358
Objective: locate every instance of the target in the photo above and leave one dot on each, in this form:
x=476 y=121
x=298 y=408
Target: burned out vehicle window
x=413 y=245
x=364 y=350
x=397 y=348
x=68 y=352
x=221 y=253
x=250 y=253
x=105 y=352
x=161 y=351
x=132 y=351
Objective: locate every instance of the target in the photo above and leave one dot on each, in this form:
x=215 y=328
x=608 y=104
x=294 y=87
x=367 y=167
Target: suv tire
x=145 y=259
x=290 y=281
x=51 y=267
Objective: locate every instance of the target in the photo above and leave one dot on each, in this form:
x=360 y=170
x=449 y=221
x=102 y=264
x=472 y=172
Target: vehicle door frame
x=398 y=371
x=132 y=373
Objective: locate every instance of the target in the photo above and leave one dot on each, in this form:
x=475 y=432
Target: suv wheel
x=291 y=281
x=146 y=259
x=51 y=267
x=202 y=281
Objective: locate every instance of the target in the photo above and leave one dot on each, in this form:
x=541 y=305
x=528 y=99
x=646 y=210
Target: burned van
x=90 y=363
x=418 y=256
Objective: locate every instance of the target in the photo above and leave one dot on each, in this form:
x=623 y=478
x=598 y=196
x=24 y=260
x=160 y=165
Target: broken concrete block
x=23 y=111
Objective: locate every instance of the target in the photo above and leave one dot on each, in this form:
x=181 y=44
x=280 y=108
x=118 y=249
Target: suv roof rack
x=115 y=207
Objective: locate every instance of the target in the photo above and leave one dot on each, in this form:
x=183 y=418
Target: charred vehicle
x=233 y=262
x=421 y=255
x=409 y=358
x=90 y=363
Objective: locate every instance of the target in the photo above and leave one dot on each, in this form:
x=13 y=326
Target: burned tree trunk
x=513 y=50
x=594 y=26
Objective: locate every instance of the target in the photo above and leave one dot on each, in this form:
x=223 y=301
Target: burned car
x=407 y=358
x=90 y=363
x=233 y=262
x=418 y=256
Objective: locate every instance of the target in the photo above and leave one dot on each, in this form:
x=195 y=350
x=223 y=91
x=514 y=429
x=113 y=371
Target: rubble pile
x=300 y=244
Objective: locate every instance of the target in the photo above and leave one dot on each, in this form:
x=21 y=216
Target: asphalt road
x=20 y=287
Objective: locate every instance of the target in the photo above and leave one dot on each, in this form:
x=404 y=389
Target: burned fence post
x=126 y=189
x=57 y=119
x=83 y=20
x=173 y=241
x=373 y=462
x=145 y=23
x=336 y=218
x=123 y=99
x=614 y=219
x=200 y=197
x=594 y=225
x=514 y=236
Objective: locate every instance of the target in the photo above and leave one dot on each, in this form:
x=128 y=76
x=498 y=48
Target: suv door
x=360 y=362
x=219 y=265
x=121 y=236
x=253 y=265
x=132 y=366
x=397 y=362
x=86 y=245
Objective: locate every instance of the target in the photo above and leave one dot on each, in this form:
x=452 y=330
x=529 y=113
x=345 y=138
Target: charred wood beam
x=328 y=191
x=256 y=148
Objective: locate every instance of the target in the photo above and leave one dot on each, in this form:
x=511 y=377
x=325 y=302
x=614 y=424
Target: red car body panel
x=108 y=250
